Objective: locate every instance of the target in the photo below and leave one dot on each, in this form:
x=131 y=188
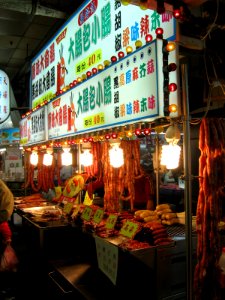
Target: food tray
x=40 y=209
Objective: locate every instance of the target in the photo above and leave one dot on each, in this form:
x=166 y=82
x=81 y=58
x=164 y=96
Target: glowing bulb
x=129 y=49
x=88 y=74
x=34 y=158
x=172 y=87
x=138 y=44
x=176 y=13
x=170 y=46
x=113 y=59
x=86 y=158
x=66 y=157
x=48 y=157
x=159 y=31
x=172 y=108
x=170 y=156
x=121 y=54
x=100 y=67
x=106 y=63
x=116 y=156
x=148 y=38
x=94 y=70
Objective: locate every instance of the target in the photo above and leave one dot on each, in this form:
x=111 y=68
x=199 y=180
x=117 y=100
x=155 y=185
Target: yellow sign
x=87 y=63
x=129 y=229
x=87 y=199
x=98 y=119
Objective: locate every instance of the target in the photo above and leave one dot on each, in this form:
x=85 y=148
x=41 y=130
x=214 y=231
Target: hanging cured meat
x=119 y=182
x=209 y=207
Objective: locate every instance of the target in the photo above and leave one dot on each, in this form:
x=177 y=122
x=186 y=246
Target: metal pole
x=187 y=177
x=157 y=169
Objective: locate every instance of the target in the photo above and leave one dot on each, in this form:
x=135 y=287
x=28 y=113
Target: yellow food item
x=169 y=216
x=171 y=221
x=164 y=211
x=138 y=212
x=151 y=218
x=162 y=206
x=147 y=213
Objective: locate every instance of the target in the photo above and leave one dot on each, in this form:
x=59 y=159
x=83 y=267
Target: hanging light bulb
x=66 y=157
x=171 y=153
x=48 y=157
x=116 y=155
x=34 y=158
x=170 y=156
x=86 y=158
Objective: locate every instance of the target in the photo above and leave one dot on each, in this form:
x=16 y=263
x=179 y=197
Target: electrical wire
x=214 y=22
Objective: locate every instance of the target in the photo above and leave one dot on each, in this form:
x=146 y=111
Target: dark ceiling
x=26 y=25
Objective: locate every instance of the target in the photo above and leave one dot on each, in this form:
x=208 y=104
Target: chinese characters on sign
x=4 y=97
x=107 y=255
x=124 y=92
x=33 y=128
x=95 y=33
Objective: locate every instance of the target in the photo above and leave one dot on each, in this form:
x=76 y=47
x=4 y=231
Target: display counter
x=73 y=267
x=69 y=255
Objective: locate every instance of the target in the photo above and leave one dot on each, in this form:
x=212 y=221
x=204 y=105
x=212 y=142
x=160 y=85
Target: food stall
x=93 y=104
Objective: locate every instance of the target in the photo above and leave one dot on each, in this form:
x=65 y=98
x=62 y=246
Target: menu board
x=33 y=127
x=97 y=31
x=4 y=96
x=9 y=136
x=124 y=92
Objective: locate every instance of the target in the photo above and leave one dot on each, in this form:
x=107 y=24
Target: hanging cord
x=214 y=22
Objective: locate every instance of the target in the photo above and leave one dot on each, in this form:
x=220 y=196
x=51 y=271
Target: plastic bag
x=9 y=260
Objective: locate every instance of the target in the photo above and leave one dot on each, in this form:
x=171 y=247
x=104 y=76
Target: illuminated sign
x=126 y=92
x=95 y=33
x=4 y=97
x=9 y=136
x=33 y=127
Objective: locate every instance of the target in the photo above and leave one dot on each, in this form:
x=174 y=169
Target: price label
x=98 y=215
x=129 y=229
x=108 y=257
x=111 y=221
x=87 y=213
x=68 y=207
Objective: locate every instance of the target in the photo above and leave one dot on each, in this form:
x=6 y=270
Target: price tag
x=98 y=215
x=68 y=207
x=108 y=256
x=87 y=199
x=129 y=229
x=111 y=221
x=87 y=213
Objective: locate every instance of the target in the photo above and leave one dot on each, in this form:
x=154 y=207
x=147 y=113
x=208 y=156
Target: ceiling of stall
x=26 y=25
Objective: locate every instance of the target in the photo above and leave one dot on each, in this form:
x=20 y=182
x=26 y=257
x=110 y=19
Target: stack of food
x=162 y=214
x=166 y=214
x=146 y=215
